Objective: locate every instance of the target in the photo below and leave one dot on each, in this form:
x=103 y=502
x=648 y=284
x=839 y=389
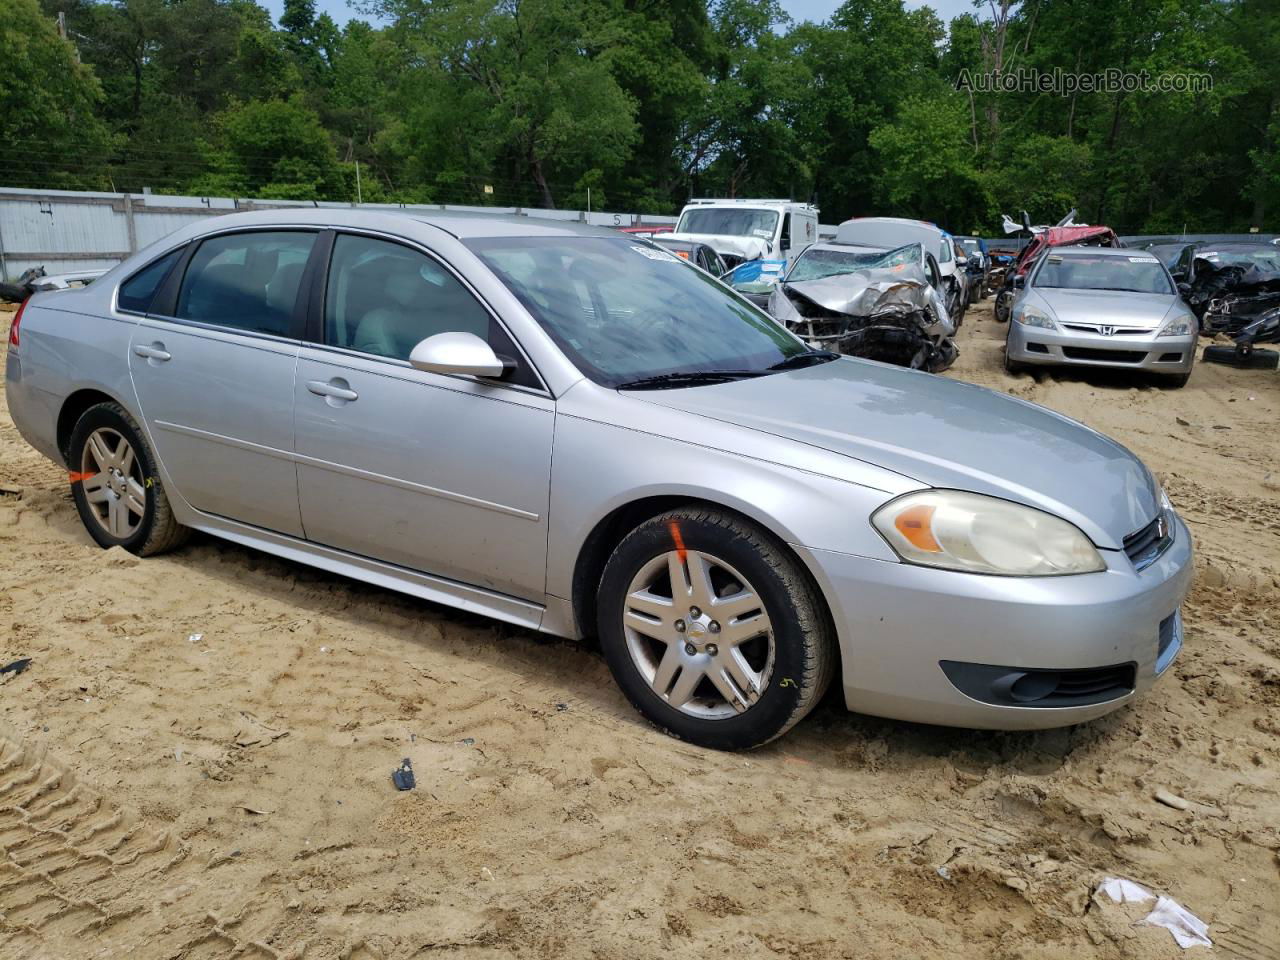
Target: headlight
x=1035 y=317
x=1183 y=326
x=976 y=534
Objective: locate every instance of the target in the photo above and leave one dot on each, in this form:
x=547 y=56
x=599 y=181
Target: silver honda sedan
x=580 y=433
x=1102 y=307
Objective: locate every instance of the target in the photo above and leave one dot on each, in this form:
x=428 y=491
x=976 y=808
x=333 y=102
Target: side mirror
x=456 y=353
x=1019 y=281
x=1184 y=289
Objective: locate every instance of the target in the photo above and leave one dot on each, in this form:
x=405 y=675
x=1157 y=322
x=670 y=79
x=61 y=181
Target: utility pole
x=359 y=195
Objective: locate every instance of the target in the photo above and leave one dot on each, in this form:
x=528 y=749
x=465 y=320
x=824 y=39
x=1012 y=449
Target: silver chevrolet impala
x=577 y=432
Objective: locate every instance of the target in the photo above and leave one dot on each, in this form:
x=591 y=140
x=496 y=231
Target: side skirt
x=450 y=593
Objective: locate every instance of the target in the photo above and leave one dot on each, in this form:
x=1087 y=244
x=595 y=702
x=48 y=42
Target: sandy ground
x=197 y=763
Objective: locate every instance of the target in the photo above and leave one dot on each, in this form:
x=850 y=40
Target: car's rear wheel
x=713 y=630
x=116 y=486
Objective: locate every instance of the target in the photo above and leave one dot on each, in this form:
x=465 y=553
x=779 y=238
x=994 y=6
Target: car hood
x=942 y=433
x=1135 y=311
x=745 y=248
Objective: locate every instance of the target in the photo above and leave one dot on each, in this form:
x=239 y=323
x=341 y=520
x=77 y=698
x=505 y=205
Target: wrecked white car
x=882 y=305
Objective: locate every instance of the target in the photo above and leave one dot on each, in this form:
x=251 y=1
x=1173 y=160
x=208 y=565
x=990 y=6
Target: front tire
x=1003 y=303
x=713 y=630
x=116 y=486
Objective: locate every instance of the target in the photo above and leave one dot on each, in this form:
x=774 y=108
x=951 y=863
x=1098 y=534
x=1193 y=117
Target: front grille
x=1115 y=331
x=1144 y=546
x=1104 y=356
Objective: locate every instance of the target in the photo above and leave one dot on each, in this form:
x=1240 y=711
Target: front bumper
x=1144 y=351
x=899 y=623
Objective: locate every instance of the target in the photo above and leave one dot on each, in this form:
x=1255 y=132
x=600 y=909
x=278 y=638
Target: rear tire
x=729 y=665
x=116 y=485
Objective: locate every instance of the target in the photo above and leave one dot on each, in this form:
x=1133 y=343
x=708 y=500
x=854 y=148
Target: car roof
x=1119 y=253
x=464 y=225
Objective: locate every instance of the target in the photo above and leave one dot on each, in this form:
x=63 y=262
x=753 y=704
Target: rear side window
x=248 y=281
x=138 y=291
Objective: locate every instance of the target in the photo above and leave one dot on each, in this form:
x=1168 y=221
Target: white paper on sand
x=1187 y=929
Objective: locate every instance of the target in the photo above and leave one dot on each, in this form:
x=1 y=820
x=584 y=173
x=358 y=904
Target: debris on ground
x=10 y=670
x=403 y=777
x=1187 y=929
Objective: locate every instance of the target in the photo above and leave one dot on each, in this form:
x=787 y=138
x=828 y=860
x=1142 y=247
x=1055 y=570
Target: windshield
x=817 y=263
x=970 y=246
x=1260 y=256
x=729 y=222
x=624 y=310
x=1080 y=272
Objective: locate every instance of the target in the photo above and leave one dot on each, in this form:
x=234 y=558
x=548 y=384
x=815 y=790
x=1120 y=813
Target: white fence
x=67 y=230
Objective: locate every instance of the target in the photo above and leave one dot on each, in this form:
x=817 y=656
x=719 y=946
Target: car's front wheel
x=713 y=630
x=116 y=486
x=1004 y=300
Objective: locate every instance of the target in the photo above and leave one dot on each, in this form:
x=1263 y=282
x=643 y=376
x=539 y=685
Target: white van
x=741 y=230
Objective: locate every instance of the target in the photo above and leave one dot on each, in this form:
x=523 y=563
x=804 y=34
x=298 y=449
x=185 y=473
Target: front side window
x=384 y=298
x=625 y=311
x=729 y=222
x=138 y=291
x=1084 y=272
x=248 y=281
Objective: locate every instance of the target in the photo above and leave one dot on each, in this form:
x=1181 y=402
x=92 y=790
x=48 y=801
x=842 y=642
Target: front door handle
x=335 y=389
x=153 y=351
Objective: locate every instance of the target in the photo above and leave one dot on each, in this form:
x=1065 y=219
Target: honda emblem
x=1106 y=331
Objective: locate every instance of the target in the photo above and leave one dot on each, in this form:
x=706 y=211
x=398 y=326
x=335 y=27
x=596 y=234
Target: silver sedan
x=1102 y=307
x=580 y=433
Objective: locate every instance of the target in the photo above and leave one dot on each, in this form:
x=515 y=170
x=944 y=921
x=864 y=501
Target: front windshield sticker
x=655 y=254
x=1142 y=260
x=763 y=234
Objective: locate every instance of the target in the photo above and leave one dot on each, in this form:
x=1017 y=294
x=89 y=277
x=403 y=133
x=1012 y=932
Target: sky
x=799 y=9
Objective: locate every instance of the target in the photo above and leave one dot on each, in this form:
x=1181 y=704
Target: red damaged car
x=1042 y=239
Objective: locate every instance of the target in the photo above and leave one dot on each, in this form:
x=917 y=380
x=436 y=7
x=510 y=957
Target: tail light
x=17 y=320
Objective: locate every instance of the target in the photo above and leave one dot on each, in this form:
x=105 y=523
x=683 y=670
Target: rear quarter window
x=138 y=291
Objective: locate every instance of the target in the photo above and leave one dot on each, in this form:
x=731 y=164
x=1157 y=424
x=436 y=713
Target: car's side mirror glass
x=1019 y=282
x=457 y=353
x=1184 y=289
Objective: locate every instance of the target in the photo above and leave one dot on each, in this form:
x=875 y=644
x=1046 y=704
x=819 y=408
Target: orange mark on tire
x=678 y=540
x=77 y=477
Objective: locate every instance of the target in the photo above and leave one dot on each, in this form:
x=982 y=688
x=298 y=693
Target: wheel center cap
x=697 y=631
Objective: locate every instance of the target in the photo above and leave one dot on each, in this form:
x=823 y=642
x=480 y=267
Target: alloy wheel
x=112 y=479
x=699 y=634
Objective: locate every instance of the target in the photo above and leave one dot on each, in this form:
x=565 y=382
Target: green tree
x=49 y=100
x=273 y=149
x=927 y=166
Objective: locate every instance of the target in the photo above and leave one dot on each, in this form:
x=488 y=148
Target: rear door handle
x=336 y=389
x=154 y=351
